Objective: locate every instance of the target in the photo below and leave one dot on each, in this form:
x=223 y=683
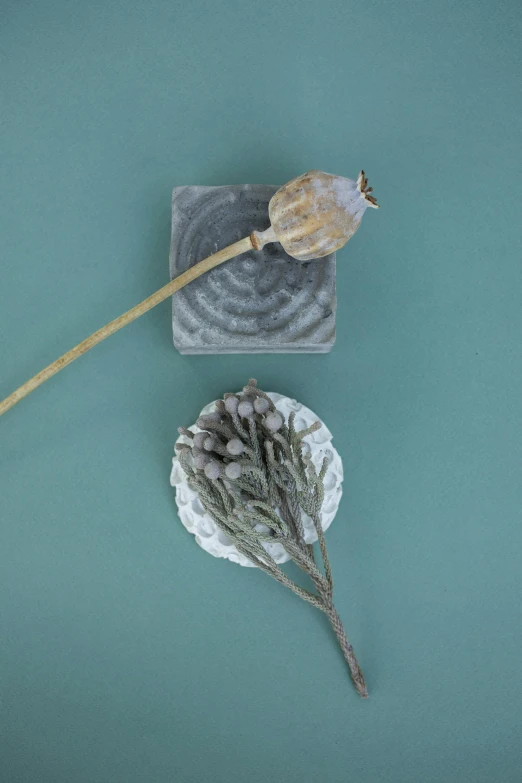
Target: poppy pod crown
x=317 y=213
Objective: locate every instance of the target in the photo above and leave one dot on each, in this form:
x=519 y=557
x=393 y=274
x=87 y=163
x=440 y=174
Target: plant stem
x=254 y=242
x=346 y=647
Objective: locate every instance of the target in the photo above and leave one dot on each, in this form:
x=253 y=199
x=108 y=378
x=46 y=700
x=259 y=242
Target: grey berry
x=273 y=421
x=261 y=405
x=201 y=459
x=210 y=443
x=213 y=469
x=235 y=447
x=245 y=409
x=233 y=470
x=199 y=439
x=231 y=404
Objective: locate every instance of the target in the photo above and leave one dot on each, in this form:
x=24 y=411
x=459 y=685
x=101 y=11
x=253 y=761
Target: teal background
x=127 y=653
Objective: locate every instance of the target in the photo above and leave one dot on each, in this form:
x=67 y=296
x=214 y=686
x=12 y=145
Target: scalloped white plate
x=202 y=526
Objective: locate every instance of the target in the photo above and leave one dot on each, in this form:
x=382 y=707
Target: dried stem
x=346 y=647
x=254 y=242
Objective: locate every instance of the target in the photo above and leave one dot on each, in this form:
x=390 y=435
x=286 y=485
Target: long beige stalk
x=254 y=242
x=304 y=231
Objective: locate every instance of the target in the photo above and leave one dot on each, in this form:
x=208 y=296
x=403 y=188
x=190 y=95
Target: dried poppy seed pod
x=317 y=213
x=311 y=216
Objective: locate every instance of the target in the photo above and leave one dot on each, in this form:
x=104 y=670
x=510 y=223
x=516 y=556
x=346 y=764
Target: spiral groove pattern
x=261 y=302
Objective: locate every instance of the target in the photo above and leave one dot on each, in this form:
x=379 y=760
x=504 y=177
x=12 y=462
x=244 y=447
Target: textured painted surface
x=127 y=654
x=318 y=445
x=261 y=302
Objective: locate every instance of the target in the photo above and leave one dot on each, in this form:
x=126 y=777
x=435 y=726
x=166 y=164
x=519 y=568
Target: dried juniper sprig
x=249 y=471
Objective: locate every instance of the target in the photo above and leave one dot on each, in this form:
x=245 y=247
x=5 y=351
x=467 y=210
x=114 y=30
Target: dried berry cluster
x=249 y=471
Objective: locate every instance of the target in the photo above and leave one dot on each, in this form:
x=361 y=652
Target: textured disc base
x=259 y=302
x=318 y=445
